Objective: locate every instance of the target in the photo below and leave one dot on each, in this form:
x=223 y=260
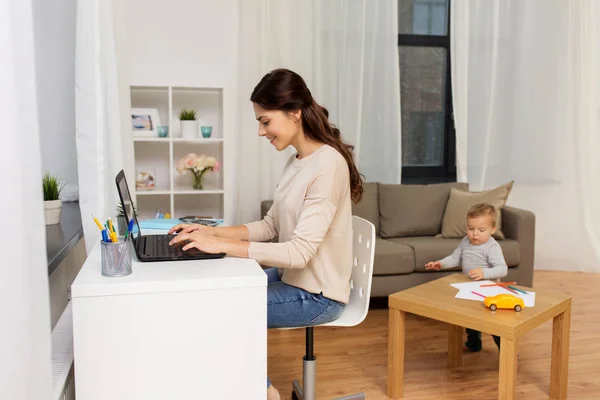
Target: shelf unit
x=173 y=192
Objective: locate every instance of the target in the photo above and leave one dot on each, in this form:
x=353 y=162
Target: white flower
x=211 y=162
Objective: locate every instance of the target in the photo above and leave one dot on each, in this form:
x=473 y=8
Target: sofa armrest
x=519 y=224
x=265 y=206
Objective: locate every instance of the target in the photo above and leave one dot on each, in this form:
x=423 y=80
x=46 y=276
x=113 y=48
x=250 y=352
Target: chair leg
x=309 y=372
x=358 y=396
x=308 y=390
x=309 y=379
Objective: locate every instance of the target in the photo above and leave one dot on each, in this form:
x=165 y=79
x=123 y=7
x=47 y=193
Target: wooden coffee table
x=436 y=300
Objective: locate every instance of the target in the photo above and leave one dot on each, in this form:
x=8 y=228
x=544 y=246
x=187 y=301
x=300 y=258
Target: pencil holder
x=116 y=258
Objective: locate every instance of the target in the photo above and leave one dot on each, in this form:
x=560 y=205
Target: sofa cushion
x=413 y=210
x=431 y=248
x=454 y=222
x=392 y=258
x=368 y=207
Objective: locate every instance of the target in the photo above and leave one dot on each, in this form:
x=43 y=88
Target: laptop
x=154 y=247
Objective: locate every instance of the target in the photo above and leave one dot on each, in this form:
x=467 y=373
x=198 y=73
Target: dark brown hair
x=483 y=209
x=285 y=90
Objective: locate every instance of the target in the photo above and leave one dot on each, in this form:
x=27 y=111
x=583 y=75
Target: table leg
x=508 y=369
x=559 y=370
x=455 y=345
x=396 y=337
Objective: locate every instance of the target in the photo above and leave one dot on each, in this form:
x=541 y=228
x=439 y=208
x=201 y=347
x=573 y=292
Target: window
x=428 y=142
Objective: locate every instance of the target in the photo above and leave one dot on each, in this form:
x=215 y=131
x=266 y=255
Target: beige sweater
x=312 y=214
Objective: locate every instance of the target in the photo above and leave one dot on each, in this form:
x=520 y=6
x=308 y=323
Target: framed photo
x=145 y=180
x=144 y=122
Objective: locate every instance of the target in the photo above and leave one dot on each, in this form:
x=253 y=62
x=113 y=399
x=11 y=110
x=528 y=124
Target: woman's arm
x=259 y=231
x=321 y=201
x=255 y=231
x=319 y=208
x=238 y=232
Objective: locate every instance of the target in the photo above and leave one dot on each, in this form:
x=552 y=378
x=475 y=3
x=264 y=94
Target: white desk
x=171 y=330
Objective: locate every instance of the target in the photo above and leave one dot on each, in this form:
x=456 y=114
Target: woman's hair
x=285 y=90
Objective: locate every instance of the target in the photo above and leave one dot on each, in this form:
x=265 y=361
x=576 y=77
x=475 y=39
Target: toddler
x=479 y=255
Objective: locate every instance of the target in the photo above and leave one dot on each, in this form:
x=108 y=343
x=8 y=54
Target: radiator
x=63 y=372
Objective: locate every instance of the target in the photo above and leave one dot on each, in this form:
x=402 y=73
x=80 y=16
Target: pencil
x=499 y=284
x=517 y=289
x=478 y=294
x=510 y=290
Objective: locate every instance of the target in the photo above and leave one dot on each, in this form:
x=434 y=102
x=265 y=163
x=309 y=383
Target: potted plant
x=52 y=203
x=189 y=125
x=121 y=221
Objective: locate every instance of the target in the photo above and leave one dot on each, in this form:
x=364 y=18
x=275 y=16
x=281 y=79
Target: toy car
x=504 y=301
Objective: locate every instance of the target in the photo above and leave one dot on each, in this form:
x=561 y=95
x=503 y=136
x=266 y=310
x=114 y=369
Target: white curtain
x=100 y=137
x=525 y=90
x=25 y=310
x=346 y=51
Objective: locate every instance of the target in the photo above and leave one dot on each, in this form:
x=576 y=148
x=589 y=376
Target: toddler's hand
x=434 y=265
x=476 y=274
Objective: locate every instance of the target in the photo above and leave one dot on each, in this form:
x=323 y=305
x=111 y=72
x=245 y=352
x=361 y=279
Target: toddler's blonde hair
x=483 y=209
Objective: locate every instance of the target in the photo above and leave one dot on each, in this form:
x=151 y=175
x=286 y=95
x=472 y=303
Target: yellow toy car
x=504 y=301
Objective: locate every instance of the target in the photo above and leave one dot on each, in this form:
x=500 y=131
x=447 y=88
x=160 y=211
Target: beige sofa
x=408 y=219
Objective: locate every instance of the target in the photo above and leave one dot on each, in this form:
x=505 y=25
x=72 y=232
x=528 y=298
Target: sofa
x=408 y=221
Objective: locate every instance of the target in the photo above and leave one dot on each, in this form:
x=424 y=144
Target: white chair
x=354 y=313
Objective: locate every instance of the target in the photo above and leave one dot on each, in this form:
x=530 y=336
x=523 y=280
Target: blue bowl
x=163 y=130
x=206 y=131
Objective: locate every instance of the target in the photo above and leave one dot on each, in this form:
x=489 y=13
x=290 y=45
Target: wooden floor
x=351 y=360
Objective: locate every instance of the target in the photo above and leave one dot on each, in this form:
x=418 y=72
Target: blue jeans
x=289 y=306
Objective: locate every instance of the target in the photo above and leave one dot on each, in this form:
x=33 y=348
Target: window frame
x=447 y=171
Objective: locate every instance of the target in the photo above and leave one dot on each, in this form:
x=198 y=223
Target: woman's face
x=279 y=127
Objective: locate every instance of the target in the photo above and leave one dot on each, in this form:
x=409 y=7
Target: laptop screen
x=127 y=203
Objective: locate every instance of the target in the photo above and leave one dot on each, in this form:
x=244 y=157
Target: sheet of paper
x=466 y=289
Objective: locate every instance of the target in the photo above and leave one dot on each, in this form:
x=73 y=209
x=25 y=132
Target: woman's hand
x=200 y=240
x=188 y=228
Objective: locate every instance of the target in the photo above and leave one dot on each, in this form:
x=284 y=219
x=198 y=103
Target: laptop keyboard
x=161 y=246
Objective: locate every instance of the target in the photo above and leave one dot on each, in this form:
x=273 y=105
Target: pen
x=129 y=229
x=98 y=223
x=111 y=226
x=517 y=289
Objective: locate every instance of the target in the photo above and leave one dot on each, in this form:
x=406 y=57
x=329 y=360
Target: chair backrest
x=363 y=253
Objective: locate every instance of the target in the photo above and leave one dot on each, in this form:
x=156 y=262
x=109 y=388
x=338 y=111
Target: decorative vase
x=52 y=210
x=163 y=131
x=189 y=129
x=198 y=181
x=206 y=131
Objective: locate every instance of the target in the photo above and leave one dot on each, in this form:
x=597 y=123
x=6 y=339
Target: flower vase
x=198 y=181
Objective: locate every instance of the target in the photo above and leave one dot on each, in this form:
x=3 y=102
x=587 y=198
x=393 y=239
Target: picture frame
x=145 y=179
x=144 y=122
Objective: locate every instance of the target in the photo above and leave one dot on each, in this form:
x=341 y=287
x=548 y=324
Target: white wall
x=185 y=43
x=54 y=36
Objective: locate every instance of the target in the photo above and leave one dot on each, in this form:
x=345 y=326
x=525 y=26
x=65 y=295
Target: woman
x=311 y=212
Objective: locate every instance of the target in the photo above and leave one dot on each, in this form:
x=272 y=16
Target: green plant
x=120 y=212
x=52 y=187
x=187 y=115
